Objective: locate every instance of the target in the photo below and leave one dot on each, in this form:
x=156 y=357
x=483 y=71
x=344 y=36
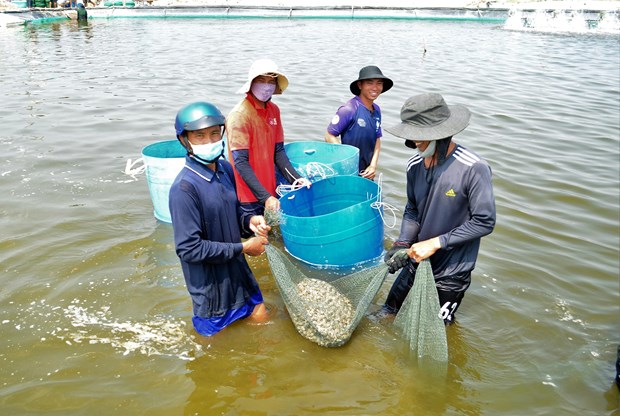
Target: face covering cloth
x=209 y=152
x=262 y=91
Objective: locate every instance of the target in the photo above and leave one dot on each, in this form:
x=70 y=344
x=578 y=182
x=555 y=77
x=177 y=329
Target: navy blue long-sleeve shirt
x=458 y=206
x=208 y=226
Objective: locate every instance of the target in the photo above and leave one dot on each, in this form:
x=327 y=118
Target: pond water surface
x=95 y=318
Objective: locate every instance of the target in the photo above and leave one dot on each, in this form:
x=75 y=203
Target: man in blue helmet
x=450 y=203
x=209 y=224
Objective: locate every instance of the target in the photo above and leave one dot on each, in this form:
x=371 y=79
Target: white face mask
x=210 y=151
x=263 y=91
x=429 y=151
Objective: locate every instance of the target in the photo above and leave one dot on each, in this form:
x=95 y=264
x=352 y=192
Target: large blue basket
x=310 y=157
x=333 y=224
x=163 y=160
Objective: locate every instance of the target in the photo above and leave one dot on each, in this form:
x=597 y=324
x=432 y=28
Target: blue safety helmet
x=196 y=116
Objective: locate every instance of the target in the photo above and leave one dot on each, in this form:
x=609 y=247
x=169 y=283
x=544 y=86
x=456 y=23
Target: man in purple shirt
x=358 y=121
x=450 y=203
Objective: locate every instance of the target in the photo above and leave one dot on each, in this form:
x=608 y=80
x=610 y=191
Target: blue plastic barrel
x=310 y=157
x=163 y=160
x=333 y=224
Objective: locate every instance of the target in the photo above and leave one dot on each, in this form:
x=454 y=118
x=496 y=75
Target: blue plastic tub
x=312 y=158
x=333 y=224
x=163 y=160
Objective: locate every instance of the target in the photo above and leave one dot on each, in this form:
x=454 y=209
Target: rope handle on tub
x=378 y=204
x=132 y=170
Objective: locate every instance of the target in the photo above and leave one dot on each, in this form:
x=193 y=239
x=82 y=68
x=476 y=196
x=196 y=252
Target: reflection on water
x=564 y=21
x=95 y=314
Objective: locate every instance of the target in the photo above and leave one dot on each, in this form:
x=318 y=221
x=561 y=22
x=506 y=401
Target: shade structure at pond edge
x=336 y=223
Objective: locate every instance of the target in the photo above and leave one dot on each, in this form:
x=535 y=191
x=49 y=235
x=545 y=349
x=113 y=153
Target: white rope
x=282 y=189
x=317 y=169
x=378 y=204
x=312 y=170
x=285 y=189
x=132 y=170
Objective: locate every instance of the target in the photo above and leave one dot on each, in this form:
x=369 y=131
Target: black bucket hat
x=427 y=117
x=370 y=72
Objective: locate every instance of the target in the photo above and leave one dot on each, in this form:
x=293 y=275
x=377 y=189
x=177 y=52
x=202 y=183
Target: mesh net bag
x=418 y=318
x=325 y=311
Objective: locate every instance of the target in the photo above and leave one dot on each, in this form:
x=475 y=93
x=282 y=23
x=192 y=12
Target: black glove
x=395 y=264
x=399 y=260
x=398 y=245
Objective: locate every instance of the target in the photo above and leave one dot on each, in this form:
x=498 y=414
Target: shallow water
x=95 y=317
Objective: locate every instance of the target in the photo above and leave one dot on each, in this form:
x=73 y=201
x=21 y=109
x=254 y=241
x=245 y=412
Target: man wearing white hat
x=450 y=203
x=256 y=139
